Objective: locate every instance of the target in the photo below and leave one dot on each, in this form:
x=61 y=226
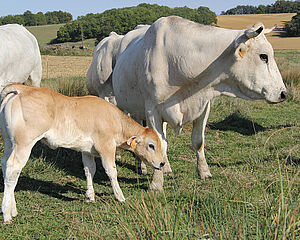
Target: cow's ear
x=241 y=51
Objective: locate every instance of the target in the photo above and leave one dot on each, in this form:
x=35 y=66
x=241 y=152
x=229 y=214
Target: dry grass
x=65 y=66
x=244 y=21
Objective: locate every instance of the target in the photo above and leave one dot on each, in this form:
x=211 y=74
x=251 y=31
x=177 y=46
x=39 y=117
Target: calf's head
x=254 y=69
x=147 y=147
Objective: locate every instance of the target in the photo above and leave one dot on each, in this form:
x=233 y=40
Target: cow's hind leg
x=36 y=76
x=14 y=166
x=89 y=165
x=198 y=142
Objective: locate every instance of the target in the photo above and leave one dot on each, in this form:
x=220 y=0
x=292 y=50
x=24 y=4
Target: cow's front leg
x=154 y=121
x=89 y=165
x=198 y=142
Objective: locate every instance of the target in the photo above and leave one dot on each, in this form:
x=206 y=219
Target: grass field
x=253 y=152
x=45 y=33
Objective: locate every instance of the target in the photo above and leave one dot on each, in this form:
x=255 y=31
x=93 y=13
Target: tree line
x=30 y=19
x=280 y=6
x=125 y=19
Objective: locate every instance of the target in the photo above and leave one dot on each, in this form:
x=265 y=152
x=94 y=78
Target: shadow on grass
x=238 y=123
x=70 y=162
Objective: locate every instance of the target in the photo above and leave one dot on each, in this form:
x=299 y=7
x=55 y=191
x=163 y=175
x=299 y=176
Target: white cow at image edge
x=98 y=77
x=19 y=56
x=173 y=71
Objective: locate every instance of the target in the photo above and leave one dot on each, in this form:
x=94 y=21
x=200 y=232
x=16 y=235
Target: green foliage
x=292 y=28
x=125 y=19
x=30 y=19
x=280 y=6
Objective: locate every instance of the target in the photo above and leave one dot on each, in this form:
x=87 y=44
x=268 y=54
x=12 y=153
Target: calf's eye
x=264 y=57
x=151 y=146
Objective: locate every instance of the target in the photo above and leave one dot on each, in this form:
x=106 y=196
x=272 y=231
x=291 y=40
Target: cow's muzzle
x=283 y=96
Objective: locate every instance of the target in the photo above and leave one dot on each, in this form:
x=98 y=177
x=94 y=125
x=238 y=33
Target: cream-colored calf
x=87 y=124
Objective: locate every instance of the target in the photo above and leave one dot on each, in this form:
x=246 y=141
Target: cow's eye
x=151 y=146
x=264 y=57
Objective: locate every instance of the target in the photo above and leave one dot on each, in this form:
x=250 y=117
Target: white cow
x=173 y=71
x=98 y=78
x=19 y=56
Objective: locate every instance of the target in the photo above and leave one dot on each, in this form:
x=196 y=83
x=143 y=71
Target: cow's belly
x=129 y=98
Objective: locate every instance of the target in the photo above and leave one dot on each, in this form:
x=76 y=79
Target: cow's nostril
x=162 y=164
x=283 y=95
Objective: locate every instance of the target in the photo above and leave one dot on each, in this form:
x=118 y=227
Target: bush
x=292 y=28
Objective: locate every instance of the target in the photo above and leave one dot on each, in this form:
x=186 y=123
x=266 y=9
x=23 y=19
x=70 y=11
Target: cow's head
x=255 y=69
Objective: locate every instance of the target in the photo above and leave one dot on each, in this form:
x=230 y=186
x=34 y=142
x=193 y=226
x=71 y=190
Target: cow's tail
x=7 y=94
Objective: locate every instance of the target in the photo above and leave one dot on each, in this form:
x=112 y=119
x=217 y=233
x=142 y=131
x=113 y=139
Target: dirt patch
x=65 y=66
x=244 y=21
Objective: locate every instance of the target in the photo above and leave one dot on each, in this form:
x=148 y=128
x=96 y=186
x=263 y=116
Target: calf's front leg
x=198 y=142
x=107 y=152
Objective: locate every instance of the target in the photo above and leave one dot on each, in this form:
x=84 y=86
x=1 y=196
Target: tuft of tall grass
x=69 y=86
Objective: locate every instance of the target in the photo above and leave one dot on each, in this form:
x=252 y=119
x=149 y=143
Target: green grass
x=253 y=150
x=45 y=33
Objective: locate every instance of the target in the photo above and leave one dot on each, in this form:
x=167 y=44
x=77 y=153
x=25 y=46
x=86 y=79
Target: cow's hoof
x=156 y=188
x=205 y=175
x=142 y=171
x=89 y=200
x=168 y=173
x=7 y=222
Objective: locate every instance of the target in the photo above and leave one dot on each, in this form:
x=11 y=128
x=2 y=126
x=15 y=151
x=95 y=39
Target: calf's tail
x=7 y=94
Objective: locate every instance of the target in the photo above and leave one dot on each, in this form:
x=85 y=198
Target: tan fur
x=88 y=124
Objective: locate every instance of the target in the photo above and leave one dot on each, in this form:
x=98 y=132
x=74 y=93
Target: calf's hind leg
x=89 y=165
x=13 y=168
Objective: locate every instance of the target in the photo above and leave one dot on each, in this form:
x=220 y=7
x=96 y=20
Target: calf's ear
x=133 y=141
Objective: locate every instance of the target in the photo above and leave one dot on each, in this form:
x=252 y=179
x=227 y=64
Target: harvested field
x=244 y=21
x=65 y=66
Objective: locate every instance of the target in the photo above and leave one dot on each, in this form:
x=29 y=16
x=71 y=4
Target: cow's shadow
x=237 y=123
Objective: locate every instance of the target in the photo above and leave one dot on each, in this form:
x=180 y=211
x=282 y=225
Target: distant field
x=44 y=33
x=244 y=21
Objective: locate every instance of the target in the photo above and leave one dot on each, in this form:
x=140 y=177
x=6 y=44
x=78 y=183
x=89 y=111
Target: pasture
x=252 y=148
